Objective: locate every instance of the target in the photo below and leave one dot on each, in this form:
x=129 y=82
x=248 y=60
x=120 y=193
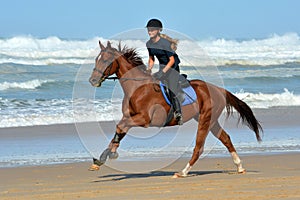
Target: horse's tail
x=245 y=112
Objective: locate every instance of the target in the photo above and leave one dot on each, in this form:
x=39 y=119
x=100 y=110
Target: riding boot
x=177 y=108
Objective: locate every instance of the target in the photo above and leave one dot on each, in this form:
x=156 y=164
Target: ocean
x=41 y=78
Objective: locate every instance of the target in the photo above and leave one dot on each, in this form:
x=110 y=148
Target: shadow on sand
x=118 y=177
x=124 y=176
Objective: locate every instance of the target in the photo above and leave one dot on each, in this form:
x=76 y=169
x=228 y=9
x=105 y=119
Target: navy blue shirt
x=162 y=51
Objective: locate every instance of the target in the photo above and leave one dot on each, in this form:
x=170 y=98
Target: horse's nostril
x=93 y=80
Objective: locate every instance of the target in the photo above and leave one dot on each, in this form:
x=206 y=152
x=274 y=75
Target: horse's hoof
x=94 y=167
x=113 y=155
x=242 y=171
x=179 y=175
x=98 y=162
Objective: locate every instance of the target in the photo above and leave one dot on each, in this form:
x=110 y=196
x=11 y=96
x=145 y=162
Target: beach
x=270 y=175
x=52 y=122
x=267 y=177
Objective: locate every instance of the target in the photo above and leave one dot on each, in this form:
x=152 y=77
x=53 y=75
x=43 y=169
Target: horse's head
x=105 y=64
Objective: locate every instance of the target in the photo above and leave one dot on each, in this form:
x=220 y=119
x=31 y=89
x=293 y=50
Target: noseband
x=109 y=67
x=102 y=72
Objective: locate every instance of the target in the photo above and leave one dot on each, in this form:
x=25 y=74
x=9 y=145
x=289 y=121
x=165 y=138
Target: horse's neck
x=131 y=77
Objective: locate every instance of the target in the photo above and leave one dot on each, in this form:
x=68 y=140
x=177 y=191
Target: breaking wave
x=274 y=50
x=261 y=100
x=16 y=112
x=32 y=84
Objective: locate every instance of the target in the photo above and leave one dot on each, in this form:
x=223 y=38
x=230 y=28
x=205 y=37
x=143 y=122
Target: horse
x=143 y=105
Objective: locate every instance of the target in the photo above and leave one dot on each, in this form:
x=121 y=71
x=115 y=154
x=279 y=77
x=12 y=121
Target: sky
x=198 y=19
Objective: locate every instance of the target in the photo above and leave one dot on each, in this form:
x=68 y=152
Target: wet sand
x=267 y=177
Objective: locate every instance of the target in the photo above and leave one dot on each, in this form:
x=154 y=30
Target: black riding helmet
x=154 y=23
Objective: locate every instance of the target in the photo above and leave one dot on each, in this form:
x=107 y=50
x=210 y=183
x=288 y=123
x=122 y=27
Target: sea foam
x=274 y=50
x=32 y=84
x=60 y=111
x=261 y=100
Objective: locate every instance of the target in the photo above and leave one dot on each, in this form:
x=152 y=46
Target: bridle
x=109 y=68
x=104 y=76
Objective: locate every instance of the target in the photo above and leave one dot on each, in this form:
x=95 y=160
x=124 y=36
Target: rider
x=168 y=63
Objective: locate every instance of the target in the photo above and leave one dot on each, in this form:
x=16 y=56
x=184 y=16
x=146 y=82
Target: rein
x=126 y=79
x=106 y=77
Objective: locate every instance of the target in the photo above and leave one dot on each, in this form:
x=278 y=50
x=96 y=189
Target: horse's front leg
x=121 y=129
x=111 y=151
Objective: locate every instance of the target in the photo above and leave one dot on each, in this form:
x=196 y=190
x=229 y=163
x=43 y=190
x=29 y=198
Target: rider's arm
x=150 y=62
x=169 y=64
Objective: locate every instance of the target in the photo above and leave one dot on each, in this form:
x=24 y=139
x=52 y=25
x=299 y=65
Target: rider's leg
x=173 y=84
x=177 y=108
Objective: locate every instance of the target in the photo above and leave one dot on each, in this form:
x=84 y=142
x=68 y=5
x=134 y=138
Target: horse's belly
x=190 y=111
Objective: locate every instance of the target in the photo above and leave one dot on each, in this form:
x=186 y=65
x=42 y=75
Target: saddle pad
x=189 y=95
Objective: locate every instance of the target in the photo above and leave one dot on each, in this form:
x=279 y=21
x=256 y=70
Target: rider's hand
x=159 y=75
x=149 y=71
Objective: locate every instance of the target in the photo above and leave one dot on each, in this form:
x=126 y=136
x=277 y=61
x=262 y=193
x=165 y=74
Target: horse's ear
x=108 y=44
x=119 y=46
x=101 y=45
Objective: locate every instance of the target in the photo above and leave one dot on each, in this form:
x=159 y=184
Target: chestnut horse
x=144 y=105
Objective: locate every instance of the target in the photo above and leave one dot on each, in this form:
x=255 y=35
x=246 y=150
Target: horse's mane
x=132 y=56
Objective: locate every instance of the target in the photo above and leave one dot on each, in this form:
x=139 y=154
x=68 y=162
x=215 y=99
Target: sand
x=267 y=177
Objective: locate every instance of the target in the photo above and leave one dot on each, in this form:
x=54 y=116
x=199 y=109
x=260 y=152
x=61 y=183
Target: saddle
x=186 y=95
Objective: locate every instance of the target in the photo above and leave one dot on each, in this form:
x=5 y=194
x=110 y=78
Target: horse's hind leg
x=220 y=133
x=203 y=129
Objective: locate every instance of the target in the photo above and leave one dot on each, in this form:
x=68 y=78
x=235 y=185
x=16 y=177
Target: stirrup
x=178 y=117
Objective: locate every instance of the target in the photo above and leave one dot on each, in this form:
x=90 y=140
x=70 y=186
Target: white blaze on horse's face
x=98 y=57
x=103 y=64
x=97 y=73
